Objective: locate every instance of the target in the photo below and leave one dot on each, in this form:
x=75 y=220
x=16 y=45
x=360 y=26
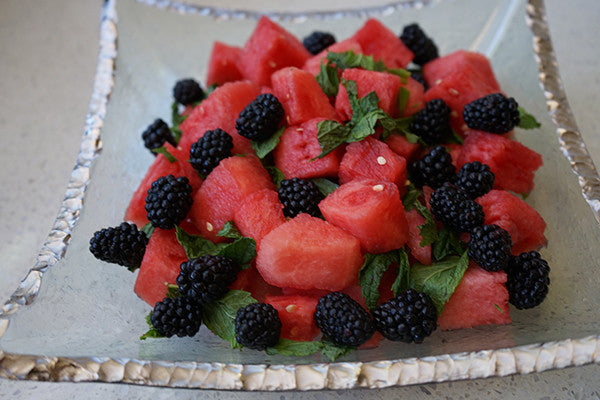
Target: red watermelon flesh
x=160 y=266
x=422 y=254
x=136 y=211
x=258 y=214
x=380 y=42
x=513 y=164
x=250 y=281
x=401 y=146
x=222 y=66
x=313 y=64
x=474 y=301
x=301 y=96
x=384 y=84
x=371 y=211
x=296 y=315
x=478 y=64
x=220 y=110
x=223 y=190
x=416 y=100
x=525 y=225
x=269 y=48
x=309 y=253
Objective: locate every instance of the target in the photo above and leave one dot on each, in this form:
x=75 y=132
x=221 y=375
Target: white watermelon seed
x=291 y=308
x=381 y=160
x=378 y=188
x=209 y=227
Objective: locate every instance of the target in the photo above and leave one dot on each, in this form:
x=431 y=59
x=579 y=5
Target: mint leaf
x=455 y=138
x=398 y=126
x=267 y=146
x=196 y=246
x=350 y=59
x=448 y=243
x=219 y=316
x=176 y=120
x=276 y=175
x=148 y=229
x=428 y=230
x=325 y=186
x=411 y=197
x=402 y=281
x=403 y=96
x=172 y=291
x=331 y=134
x=152 y=332
x=332 y=351
x=210 y=89
x=242 y=251
x=528 y=121
x=165 y=152
x=370 y=275
x=287 y=347
x=498 y=308
x=229 y=231
x=440 y=279
x=363 y=106
x=328 y=79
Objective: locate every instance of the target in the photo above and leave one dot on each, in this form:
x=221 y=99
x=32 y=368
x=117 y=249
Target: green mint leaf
x=328 y=79
x=331 y=134
x=402 y=281
x=350 y=59
x=428 y=230
x=455 y=138
x=411 y=197
x=412 y=138
x=332 y=351
x=393 y=126
x=276 y=175
x=267 y=146
x=148 y=229
x=210 y=89
x=448 y=243
x=242 y=251
x=440 y=279
x=152 y=332
x=524 y=196
x=219 y=316
x=165 y=152
x=401 y=72
x=287 y=347
x=229 y=231
x=498 y=308
x=528 y=121
x=370 y=275
x=172 y=291
x=176 y=120
x=363 y=106
x=325 y=186
x=365 y=126
x=403 y=96
x=196 y=246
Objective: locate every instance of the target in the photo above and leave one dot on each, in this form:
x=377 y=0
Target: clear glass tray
x=85 y=322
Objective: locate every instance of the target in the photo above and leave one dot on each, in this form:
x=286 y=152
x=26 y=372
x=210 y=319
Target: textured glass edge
x=342 y=375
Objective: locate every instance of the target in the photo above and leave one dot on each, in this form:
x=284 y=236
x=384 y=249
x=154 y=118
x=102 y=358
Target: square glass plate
x=85 y=322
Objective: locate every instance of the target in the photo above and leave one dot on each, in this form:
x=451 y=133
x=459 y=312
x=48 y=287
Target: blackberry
x=494 y=113
x=490 y=246
x=475 y=178
x=317 y=41
x=168 y=201
x=260 y=118
x=187 y=91
x=123 y=245
x=409 y=317
x=257 y=326
x=527 y=280
x=419 y=43
x=450 y=205
x=417 y=75
x=179 y=316
x=299 y=196
x=432 y=123
x=205 y=279
x=433 y=170
x=156 y=134
x=209 y=150
x=343 y=320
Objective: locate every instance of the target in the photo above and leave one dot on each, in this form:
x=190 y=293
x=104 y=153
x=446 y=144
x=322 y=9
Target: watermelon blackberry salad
x=319 y=195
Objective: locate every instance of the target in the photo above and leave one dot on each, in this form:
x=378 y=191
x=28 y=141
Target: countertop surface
x=48 y=56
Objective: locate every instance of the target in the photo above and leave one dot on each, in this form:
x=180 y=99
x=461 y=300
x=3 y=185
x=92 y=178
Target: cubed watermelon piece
x=513 y=163
x=480 y=298
x=224 y=189
x=297 y=149
x=478 y=64
x=258 y=214
x=222 y=66
x=401 y=146
x=301 y=96
x=416 y=101
x=523 y=222
x=251 y=281
x=160 y=266
x=380 y=42
x=309 y=253
x=296 y=315
x=269 y=48
x=370 y=210
x=313 y=64
x=421 y=253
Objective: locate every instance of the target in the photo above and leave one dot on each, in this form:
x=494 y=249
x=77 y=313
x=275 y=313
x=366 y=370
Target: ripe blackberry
x=179 y=316
x=409 y=317
x=419 y=43
x=433 y=170
x=450 y=205
x=528 y=279
x=432 y=123
x=299 y=196
x=417 y=75
x=205 y=279
x=475 y=178
x=317 y=41
x=490 y=246
x=187 y=91
x=261 y=117
x=209 y=150
x=257 y=326
x=168 y=201
x=156 y=134
x=123 y=245
x=494 y=113
x=343 y=320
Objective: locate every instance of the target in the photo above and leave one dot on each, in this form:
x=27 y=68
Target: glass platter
x=85 y=321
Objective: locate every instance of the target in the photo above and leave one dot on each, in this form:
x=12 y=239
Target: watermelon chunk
x=380 y=42
x=422 y=254
x=309 y=253
x=313 y=64
x=401 y=146
x=478 y=65
x=222 y=66
x=258 y=214
x=250 y=281
x=296 y=315
x=416 y=101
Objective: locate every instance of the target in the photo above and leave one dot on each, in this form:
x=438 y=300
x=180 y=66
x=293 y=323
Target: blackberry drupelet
x=206 y=279
x=419 y=43
x=156 y=134
x=475 y=178
x=257 y=326
x=317 y=41
x=527 y=280
x=490 y=246
x=124 y=245
x=409 y=317
x=432 y=123
x=209 y=150
x=168 y=201
x=494 y=113
x=433 y=170
x=187 y=91
x=343 y=320
x=299 y=196
x=450 y=205
x=417 y=75
x=179 y=316
x=260 y=118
